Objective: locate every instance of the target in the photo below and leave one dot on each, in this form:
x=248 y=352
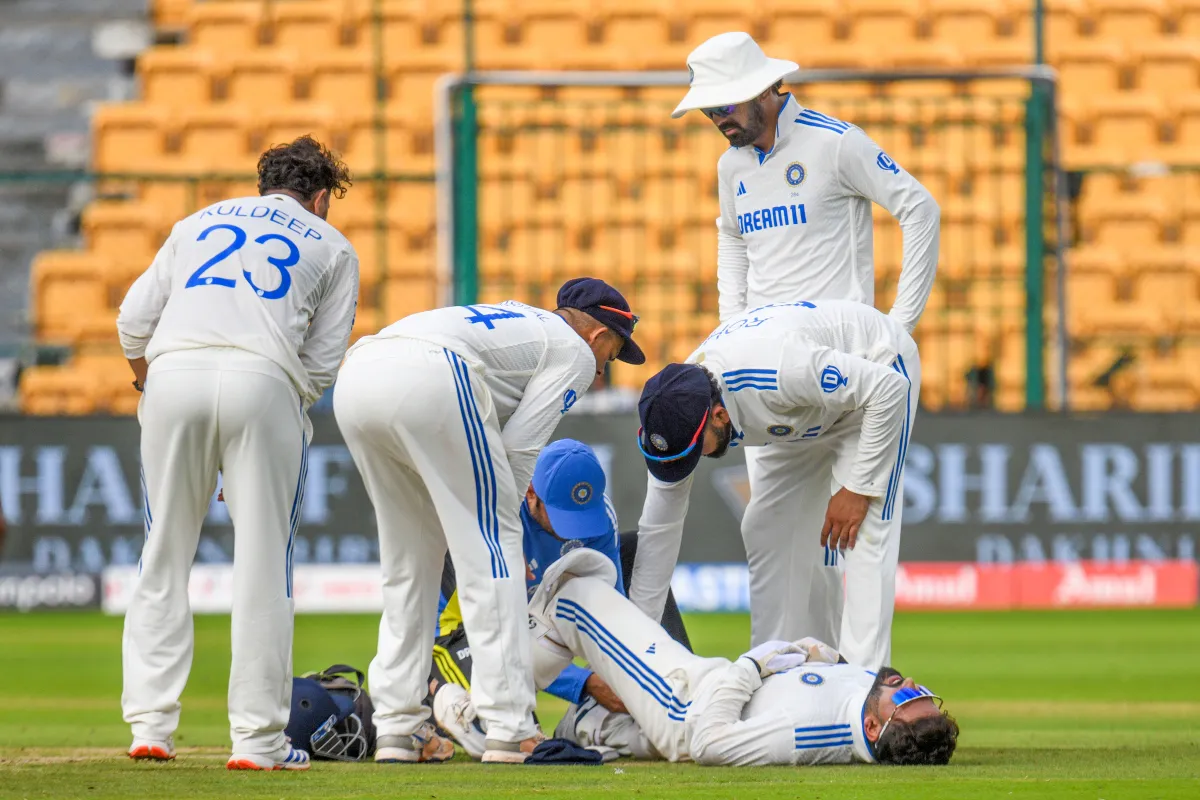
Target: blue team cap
x=568 y=478
x=607 y=306
x=674 y=410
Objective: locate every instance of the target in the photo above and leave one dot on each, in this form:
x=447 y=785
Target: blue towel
x=562 y=751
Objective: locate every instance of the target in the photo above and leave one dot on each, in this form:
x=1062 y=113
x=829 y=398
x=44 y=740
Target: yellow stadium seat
x=881 y=24
x=1187 y=18
x=170 y=14
x=217 y=139
x=922 y=55
x=124 y=230
x=129 y=137
x=406 y=296
x=1065 y=21
x=1174 y=295
x=1125 y=226
x=287 y=122
x=626 y=21
x=313 y=27
x=1129 y=124
x=555 y=31
x=1167 y=67
x=965 y=21
x=341 y=79
x=1130 y=21
x=1185 y=110
x=230 y=26
x=177 y=77
x=259 y=78
x=1089 y=67
x=68 y=287
x=49 y=391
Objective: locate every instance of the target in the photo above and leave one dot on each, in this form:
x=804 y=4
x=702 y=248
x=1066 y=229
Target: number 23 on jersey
x=290 y=259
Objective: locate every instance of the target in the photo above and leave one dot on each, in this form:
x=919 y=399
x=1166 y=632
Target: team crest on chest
x=780 y=430
x=812 y=679
x=795 y=173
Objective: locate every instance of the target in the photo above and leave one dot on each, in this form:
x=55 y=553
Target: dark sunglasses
x=718 y=111
x=629 y=315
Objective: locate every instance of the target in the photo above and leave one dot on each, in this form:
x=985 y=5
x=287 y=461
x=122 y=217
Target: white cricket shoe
x=152 y=749
x=423 y=746
x=455 y=713
x=286 y=758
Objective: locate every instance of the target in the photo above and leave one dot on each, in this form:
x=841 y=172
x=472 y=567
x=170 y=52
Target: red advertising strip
x=1083 y=584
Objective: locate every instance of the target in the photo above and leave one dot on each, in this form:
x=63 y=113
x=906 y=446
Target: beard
x=724 y=437
x=884 y=674
x=756 y=123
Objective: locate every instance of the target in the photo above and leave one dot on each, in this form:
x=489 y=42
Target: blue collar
x=787 y=98
x=862 y=721
x=534 y=525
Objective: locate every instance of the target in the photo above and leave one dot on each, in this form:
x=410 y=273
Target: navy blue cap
x=569 y=480
x=607 y=306
x=674 y=410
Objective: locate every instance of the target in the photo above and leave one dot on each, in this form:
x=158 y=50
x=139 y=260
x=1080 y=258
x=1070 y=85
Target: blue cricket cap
x=569 y=480
x=674 y=410
x=607 y=306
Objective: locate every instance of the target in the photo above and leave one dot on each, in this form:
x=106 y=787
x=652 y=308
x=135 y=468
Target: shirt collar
x=789 y=105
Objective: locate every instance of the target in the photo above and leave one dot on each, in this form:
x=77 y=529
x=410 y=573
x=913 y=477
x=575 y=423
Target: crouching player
x=782 y=703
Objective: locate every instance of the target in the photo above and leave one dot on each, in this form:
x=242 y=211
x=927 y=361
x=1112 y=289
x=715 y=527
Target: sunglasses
x=629 y=315
x=718 y=111
x=905 y=696
x=665 y=459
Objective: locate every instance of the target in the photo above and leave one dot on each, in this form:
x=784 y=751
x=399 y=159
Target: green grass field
x=1088 y=705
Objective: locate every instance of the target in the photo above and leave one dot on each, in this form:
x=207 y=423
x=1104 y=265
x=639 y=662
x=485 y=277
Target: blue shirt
x=542 y=548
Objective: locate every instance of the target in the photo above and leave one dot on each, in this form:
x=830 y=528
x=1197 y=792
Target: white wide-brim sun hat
x=728 y=69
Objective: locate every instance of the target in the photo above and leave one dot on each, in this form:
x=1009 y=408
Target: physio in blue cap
x=564 y=508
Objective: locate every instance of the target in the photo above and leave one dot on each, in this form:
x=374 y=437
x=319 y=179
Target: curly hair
x=305 y=167
x=714 y=388
x=924 y=740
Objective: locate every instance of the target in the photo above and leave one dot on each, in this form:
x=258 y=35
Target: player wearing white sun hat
x=795 y=190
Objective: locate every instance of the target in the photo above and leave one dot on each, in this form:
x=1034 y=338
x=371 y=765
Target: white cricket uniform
x=795 y=224
x=444 y=413
x=709 y=710
x=244 y=316
x=831 y=387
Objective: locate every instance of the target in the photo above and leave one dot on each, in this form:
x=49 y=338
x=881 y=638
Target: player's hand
x=845 y=514
x=775 y=656
x=604 y=694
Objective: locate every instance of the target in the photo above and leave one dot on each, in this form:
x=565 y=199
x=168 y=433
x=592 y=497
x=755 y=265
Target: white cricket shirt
x=792 y=375
x=259 y=274
x=534 y=364
x=812 y=714
x=796 y=221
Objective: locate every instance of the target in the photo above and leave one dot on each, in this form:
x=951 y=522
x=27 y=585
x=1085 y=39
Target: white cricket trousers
x=655 y=676
x=424 y=433
x=799 y=588
x=208 y=410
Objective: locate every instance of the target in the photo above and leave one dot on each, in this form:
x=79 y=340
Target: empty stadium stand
x=638 y=207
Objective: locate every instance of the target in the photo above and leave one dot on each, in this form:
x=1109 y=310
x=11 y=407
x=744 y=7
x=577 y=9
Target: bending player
x=445 y=413
x=834 y=381
x=783 y=703
x=234 y=331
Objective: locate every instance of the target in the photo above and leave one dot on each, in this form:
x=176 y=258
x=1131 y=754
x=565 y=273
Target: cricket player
x=833 y=381
x=782 y=703
x=445 y=413
x=233 y=332
x=795 y=190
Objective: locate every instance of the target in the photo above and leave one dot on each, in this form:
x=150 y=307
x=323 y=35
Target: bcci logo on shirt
x=780 y=430
x=795 y=173
x=832 y=379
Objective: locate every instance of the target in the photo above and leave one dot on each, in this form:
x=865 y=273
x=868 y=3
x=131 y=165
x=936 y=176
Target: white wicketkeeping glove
x=776 y=656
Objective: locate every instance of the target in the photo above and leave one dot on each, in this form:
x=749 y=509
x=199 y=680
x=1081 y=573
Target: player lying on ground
x=445 y=413
x=833 y=380
x=780 y=704
x=565 y=507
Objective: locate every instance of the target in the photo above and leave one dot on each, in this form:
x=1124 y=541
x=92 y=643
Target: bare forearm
x=140 y=367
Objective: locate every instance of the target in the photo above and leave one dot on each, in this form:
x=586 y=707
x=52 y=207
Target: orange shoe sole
x=244 y=763
x=150 y=753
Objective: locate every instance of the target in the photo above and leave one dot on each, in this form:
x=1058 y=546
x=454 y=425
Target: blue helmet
x=331 y=715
